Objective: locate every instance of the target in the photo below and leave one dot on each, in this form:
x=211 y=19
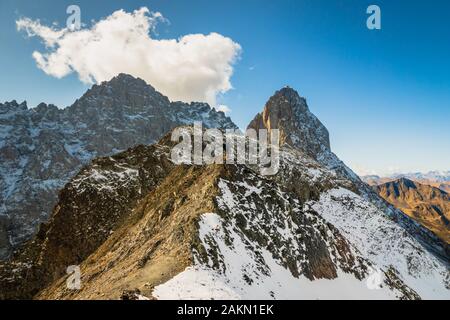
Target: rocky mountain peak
x=407 y=183
x=291 y=96
x=135 y=220
x=126 y=81
x=302 y=130
x=287 y=111
x=42 y=147
x=13 y=106
x=122 y=90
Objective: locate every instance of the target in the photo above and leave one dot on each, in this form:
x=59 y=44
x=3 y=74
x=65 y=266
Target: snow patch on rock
x=270 y=282
x=384 y=242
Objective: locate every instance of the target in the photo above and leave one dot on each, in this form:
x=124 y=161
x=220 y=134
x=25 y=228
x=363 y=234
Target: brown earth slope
x=427 y=205
x=373 y=180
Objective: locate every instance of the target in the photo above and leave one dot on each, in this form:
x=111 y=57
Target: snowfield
x=275 y=282
x=384 y=242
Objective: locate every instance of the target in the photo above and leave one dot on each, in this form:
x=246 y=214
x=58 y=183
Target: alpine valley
x=93 y=185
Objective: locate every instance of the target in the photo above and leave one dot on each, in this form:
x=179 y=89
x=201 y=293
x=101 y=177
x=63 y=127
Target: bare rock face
x=289 y=113
x=4 y=241
x=301 y=130
x=43 y=147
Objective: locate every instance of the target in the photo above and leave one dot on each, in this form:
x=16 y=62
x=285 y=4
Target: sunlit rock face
x=299 y=129
x=289 y=113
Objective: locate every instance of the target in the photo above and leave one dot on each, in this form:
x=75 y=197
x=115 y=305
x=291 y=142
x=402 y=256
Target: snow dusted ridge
x=384 y=242
x=263 y=245
x=301 y=130
x=43 y=147
x=275 y=282
x=312 y=231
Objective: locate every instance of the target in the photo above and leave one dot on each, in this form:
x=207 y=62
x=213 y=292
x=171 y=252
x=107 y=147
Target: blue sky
x=384 y=94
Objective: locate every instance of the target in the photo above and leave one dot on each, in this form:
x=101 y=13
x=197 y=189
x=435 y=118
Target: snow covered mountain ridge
x=138 y=224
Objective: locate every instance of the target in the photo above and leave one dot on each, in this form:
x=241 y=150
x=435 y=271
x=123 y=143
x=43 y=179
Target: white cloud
x=34 y=28
x=196 y=67
x=225 y=109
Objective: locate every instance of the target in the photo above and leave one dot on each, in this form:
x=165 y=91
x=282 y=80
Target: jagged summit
x=136 y=221
x=292 y=97
x=123 y=79
x=42 y=147
x=407 y=183
x=289 y=113
x=122 y=90
x=13 y=106
x=302 y=130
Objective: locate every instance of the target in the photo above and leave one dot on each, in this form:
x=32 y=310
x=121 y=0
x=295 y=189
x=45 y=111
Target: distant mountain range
x=437 y=179
x=141 y=227
x=427 y=205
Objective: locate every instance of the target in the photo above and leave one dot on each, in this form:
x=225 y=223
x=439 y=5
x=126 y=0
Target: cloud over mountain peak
x=195 y=67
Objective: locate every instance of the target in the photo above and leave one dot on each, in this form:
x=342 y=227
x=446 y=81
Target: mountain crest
x=287 y=111
x=136 y=221
x=122 y=90
x=13 y=106
x=41 y=148
x=129 y=81
x=407 y=183
x=292 y=97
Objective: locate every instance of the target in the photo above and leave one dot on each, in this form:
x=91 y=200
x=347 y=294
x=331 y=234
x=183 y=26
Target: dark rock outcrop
x=43 y=147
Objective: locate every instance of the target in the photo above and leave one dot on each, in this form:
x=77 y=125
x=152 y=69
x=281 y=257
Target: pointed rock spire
x=299 y=128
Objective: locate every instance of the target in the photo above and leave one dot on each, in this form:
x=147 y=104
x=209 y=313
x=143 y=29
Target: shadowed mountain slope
x=43 y=147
